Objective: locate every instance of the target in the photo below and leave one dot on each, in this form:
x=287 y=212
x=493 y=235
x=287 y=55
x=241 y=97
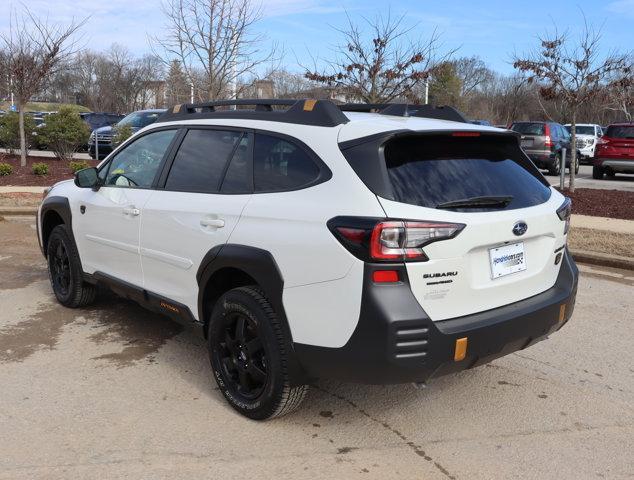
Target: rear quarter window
x=620 y=131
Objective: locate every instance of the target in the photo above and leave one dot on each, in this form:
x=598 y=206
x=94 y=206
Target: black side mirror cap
x=87 y=178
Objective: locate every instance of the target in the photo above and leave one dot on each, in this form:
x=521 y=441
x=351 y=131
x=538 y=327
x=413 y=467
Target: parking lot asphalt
x=584 y=180
x=114 y=391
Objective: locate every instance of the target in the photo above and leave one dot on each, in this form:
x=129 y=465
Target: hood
x=106 y=129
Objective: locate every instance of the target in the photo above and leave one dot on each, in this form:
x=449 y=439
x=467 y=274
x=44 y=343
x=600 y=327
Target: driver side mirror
x=87 y=178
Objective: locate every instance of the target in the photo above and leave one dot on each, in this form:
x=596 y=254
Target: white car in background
x=588 y=135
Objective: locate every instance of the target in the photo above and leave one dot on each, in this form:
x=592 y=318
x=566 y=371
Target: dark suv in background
x=543 y=142
x=105 y=135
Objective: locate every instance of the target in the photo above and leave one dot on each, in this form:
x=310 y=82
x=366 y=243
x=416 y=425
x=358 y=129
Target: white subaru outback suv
x=367 y=243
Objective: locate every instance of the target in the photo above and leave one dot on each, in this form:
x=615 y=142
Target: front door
x=107 y=228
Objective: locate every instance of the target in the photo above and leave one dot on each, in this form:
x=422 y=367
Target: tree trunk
x=573 y=150
x=22 y=135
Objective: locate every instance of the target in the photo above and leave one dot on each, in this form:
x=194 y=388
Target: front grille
x=410 y=342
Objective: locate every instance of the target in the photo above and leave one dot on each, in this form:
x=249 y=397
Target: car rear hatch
x=534 y=135
x=509 y=238
x=618 y=142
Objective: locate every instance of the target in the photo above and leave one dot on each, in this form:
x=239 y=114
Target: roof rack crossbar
x=321 y=113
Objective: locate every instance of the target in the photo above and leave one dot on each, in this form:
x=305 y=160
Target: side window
x=555 y=132
x=136 y=165
x=281 y=165
x=201 y=159
x=238 y=178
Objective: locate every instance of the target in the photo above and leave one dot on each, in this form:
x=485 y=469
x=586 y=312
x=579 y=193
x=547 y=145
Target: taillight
x=548 y=142
x=564 y=212
x=390 y=240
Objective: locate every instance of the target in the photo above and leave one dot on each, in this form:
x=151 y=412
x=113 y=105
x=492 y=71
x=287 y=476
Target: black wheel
x=555 y=168
x=576 y=164
x=248 y=351
x=597 y=173
x=64 y=269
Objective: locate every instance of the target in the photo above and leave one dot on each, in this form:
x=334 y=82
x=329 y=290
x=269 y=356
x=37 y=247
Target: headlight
x=564 y=212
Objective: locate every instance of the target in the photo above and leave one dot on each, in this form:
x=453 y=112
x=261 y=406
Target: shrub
x=121 y=134
x=40 y=168
x=10 y=131
x=78 y=165
x=5 y=169
x=64 y=133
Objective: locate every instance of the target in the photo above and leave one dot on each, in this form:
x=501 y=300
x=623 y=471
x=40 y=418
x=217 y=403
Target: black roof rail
x=321 y=113
x=407 y=110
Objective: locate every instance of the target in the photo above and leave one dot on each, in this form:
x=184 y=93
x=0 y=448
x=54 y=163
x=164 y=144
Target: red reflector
x=385 y=276
x=465 y=134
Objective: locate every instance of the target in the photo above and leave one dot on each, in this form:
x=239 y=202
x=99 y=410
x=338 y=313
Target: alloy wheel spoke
x=254 y=346
x=240 y=326
x=256 y=373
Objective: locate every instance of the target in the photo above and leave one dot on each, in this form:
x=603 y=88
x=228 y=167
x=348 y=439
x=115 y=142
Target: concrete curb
x=17 y=211
x=602 y=259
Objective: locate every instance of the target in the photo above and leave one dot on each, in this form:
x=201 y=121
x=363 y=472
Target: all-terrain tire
x=65 y=272
x=232 y=356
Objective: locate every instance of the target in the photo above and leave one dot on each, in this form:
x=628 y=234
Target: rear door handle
x=212 y=222
x=132 y=211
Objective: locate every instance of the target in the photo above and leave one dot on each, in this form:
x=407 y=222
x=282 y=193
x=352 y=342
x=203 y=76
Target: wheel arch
x=55 y=211
x=230 y=266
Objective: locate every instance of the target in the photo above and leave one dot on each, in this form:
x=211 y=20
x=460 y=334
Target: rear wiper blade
x=478 y=202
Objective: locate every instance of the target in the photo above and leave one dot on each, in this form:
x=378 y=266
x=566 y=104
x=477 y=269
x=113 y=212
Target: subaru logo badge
x=520 y=228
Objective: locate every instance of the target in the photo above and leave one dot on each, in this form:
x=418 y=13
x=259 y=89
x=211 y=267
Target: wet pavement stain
x=21 y=262
x=40 y=331
x=141 y=331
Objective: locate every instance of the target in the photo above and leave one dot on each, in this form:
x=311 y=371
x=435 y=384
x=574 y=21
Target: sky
x=490 y=29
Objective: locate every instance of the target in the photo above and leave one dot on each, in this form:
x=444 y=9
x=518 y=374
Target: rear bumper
x=618 y=165
x=396 y=342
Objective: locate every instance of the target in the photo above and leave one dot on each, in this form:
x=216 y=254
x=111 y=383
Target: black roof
x=323 y=113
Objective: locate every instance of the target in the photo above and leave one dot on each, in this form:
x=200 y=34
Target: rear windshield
x=620 y=131
x=528 y=128
x=432 y=170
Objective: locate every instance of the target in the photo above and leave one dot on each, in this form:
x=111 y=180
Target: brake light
x=390 y=240
x=465 y=134
x=548 y=142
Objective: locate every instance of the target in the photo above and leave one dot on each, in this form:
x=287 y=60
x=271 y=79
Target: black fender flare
x=61 y=206
x=262 y=267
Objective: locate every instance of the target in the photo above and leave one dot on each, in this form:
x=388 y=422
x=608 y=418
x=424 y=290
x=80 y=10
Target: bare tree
x=383 y=66
x=619 y=95
x=214 y=37
x=35 y=50
x=573 y=73
x=472 y=72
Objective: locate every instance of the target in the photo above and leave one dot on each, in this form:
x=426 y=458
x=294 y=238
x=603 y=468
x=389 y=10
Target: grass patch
x=601 y=241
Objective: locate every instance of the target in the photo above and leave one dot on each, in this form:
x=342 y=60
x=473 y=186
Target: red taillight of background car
x=390 y=240
x=548 y=142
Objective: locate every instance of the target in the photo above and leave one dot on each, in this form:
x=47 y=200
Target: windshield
x=582 y=129
x=620 y=131
x=140 y=119
x=528 y=128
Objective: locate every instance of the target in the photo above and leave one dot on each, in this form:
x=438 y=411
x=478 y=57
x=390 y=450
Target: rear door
x=506 y=251
x=204 y=192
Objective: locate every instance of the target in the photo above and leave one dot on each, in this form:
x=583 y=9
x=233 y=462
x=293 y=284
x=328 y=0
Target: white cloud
x=623 y=7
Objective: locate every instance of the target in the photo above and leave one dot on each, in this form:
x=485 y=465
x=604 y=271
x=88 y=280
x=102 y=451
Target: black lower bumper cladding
x=396 y=342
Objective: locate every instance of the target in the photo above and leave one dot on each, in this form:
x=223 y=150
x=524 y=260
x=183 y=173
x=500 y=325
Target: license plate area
x=528 y=142
x=507 y=259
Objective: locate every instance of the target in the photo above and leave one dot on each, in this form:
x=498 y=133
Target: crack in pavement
x=413 y=446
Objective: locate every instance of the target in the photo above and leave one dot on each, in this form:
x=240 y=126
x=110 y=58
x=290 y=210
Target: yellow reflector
x=309 y=105
x=562 y=312
x=177 y=108
x=461 y=349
